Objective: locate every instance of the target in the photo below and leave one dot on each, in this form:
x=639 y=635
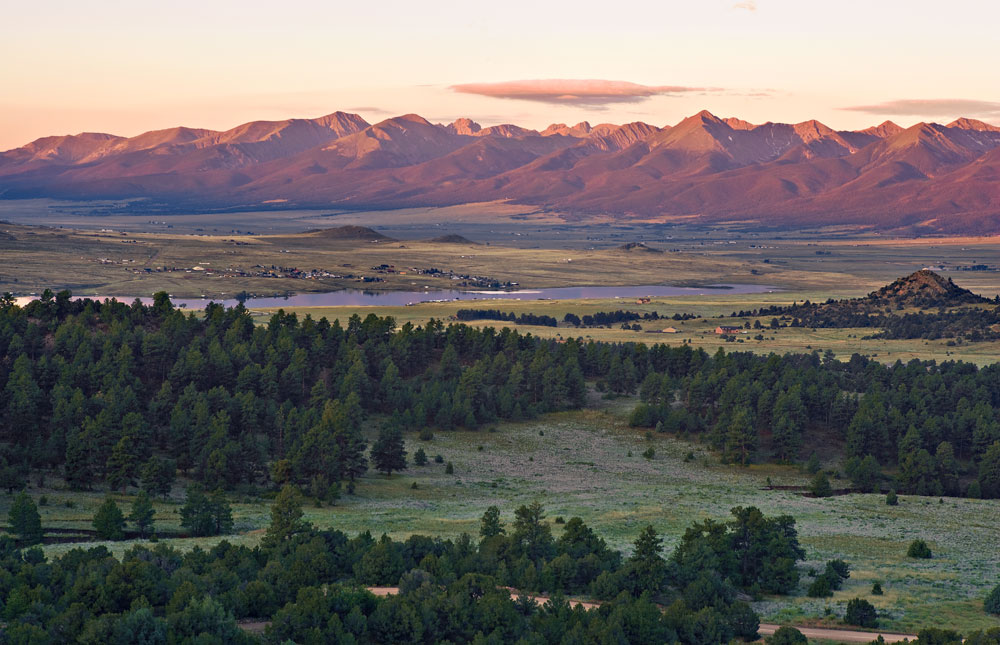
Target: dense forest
x=116 y=393
x=309 y=584
x=936 y=424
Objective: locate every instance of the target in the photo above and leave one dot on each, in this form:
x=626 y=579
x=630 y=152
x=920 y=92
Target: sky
x=127 y=66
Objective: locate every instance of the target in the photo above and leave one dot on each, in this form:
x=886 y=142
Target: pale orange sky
x=127 y=67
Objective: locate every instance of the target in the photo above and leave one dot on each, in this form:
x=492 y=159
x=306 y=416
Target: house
x=728 y=329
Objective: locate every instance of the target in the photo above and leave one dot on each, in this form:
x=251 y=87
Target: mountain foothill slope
x=926 y=178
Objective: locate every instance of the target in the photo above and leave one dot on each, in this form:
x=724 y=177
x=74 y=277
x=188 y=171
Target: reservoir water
x=358 y=297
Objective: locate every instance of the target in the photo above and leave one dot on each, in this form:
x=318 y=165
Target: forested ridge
x=936 y=424
x=114 y=393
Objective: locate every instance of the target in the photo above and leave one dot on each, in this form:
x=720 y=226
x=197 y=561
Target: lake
x=357 y=297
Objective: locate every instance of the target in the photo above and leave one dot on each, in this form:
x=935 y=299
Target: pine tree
x=647 y=564
x=741 y=435
x=158 y=475
x=109 y=522
x=286 y=517
x=196 y=514
x=388 y=451
x=420 y=457
x=222 y=513
x=123 y=463
x=490 y=525
x=24 y=520
x=142 y=514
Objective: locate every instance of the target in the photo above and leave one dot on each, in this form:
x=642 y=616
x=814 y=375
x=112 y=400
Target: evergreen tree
x=741 y=436
x=222 y=513
x=286 y=517
x=196 y=513
x=647 y=565
x=989 y=472
x=24 y=520
x=531 y=536
x=388 y=451
x=158 y=476
x=109 y=522
x=142 y=514
x=420 y=457
x=490 y=525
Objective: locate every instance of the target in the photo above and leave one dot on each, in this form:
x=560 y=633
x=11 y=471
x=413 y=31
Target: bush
x=820 y=486
x=974 y=491
x=449 y=469
x=891 y=499
x=438 y=459
x=426 y=434
x=820 y=587
x=938 y=636
x=877 y=588
x=862 y=613
x=787 y=636
x=919 y=549
x=109 y=521
x=649 y=453
x=992 y=602
x=420 y=457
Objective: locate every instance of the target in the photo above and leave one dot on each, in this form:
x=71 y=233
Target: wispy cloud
x=948 y=108
x=749 y=5
x=591 y=93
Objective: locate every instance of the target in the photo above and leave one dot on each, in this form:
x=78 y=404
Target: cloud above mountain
x=932 y=108
x=583 y=92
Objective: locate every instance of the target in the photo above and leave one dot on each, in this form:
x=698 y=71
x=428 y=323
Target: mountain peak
x=464 y=126
x=973 y=124
x=883 y=130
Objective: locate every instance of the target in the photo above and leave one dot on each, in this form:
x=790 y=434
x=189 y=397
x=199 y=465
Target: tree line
x=936 y=424
x=308 y=584
x=510 y=316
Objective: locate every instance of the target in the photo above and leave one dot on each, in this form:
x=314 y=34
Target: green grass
x=577 y=464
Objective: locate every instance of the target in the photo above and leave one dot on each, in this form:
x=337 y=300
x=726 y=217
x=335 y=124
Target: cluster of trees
x=308 y=584
x=937 y=423
x=510 y=316
x=605 y=318
x=975 y=323
x=130 y=394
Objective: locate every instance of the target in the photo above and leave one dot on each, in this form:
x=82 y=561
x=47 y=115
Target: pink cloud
x=932 y=108
x=586 y=92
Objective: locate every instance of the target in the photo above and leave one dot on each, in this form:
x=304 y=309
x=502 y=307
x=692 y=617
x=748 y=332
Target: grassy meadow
x=589 y=464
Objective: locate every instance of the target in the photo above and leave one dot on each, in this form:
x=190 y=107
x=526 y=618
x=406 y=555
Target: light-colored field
x=698 y=333
x=588 y=464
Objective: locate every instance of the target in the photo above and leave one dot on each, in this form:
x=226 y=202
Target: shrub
x=820 y=587
x=438 y=459
x=820 y=486
x=449 y=469
x=938 y=636
x=813 y=465
x=649 y=453
x=877 y=588
x=787 y=636
x=109 y=521
x=862 y=613
x=420 y=457
x=891 y=499
x=919 y=549
x=974 y=491
x=992 y=602
x=426 y=434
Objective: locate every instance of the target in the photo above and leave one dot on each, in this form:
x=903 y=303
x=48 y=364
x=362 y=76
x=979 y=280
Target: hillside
x=350 y=233
x=943 y=310
x=927 y=178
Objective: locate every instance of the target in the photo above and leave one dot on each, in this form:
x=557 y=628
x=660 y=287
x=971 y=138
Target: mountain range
x=928 y=178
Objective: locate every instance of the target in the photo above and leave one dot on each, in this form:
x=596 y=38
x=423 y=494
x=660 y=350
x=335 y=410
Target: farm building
x=728 y=329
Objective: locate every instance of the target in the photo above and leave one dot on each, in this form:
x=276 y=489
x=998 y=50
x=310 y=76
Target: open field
x=699 y=332
x=533 y=249
x=582 y=463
